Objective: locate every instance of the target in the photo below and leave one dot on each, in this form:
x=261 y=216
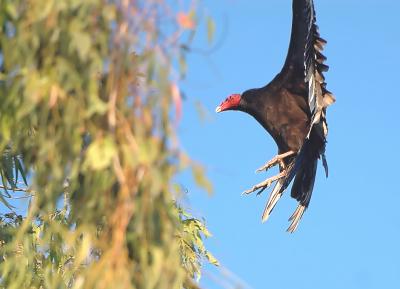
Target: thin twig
x=25 y=190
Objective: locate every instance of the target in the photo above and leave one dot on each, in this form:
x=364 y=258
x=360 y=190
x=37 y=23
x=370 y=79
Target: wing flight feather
x=305 y=59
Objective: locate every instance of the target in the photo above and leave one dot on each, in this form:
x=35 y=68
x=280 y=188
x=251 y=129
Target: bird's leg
x=265 y=184
x=278 y=159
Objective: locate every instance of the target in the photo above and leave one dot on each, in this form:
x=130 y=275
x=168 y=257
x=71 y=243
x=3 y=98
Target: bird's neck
x=253 y=102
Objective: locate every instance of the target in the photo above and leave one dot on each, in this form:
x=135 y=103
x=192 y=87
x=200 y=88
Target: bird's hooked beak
x=231 y=103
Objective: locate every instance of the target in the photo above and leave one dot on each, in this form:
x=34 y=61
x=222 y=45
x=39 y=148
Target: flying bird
x=292 y=109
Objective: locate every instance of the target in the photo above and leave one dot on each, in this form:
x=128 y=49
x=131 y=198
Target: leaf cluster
x=87 y=94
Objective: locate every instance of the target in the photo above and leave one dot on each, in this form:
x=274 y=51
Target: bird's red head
x=231 y=103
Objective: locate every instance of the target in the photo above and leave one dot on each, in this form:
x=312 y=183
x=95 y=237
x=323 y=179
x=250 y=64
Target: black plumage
x=292 y=108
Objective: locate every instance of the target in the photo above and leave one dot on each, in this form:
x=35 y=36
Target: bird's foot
x=278 y=159
x=265 y=184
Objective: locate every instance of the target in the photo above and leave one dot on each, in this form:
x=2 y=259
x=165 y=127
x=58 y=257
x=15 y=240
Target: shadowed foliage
x=89 y=93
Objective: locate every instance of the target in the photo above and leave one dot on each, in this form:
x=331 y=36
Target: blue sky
x=349 y=236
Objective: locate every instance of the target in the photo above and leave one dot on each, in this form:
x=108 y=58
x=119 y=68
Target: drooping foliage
x=89 y=93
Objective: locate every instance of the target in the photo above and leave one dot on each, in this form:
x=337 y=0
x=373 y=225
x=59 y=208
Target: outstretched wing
x=305 y=60
x=305 y=65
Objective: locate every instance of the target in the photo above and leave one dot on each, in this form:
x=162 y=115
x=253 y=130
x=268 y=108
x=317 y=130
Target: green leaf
x=210 y=257
x=19 y=167
x=12 y=9
x=7 y=169
x=96 y=106
x=5 y=202
x=81 y=42
x=182 y=65
x=5 y=183
x=100 y=153
x=200 y=179
x=210 y=29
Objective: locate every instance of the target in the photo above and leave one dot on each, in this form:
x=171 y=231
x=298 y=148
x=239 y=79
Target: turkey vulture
x=292 y=108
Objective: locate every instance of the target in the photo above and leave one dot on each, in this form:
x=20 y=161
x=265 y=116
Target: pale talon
x=265 y=184
x=278 y=159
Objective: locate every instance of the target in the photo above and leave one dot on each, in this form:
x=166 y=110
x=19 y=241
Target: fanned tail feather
x=273 y=199
x=303 y=170
x=295 y=218
x=302 y=189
